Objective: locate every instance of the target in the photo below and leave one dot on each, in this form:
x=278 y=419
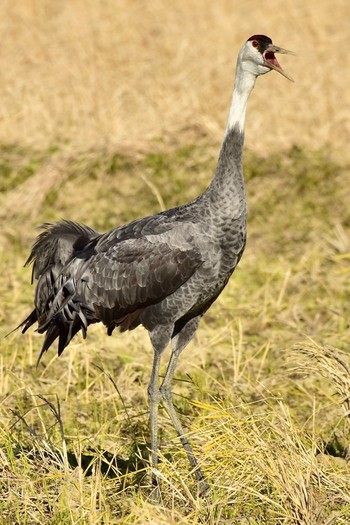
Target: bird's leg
x=153 y=401
x=160 y=339
x=179 y=343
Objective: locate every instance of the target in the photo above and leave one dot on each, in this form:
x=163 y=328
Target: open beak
x=271 y=61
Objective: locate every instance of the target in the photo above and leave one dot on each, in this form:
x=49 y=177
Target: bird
x=163 y=271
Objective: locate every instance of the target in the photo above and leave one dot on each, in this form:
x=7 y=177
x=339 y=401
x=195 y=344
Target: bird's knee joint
x=154 y=395
x=165 y=393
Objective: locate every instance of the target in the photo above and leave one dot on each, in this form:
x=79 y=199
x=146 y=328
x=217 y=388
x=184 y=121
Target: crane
x=162 y=271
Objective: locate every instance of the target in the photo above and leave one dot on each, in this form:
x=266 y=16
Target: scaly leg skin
x=166 y=398
x=179 y=343
x=160 y=338
x=155 y=395
x=153 y=401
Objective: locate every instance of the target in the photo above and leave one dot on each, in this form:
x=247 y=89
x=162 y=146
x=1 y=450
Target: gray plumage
x=162 y=272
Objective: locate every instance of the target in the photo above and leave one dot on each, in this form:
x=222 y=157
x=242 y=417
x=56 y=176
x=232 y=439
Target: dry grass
x=84 y=73
x=123 y=104
x=269 y=418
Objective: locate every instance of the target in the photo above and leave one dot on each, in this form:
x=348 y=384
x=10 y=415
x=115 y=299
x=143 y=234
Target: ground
x=117 y=111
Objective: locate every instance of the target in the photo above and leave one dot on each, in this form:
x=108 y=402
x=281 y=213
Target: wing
x=84 y=277
x=51 y=251
x=135 y=273
x=57 y=244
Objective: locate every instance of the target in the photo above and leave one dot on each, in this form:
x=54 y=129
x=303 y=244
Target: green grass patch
x=263 y=389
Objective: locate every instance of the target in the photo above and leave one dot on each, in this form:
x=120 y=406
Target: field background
x=115 y=109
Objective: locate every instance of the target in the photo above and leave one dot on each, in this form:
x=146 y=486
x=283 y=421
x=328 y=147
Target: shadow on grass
x=112 y=466
x=130 y=471
x=43 y=452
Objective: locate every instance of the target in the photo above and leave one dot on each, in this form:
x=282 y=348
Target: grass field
x=112 y=110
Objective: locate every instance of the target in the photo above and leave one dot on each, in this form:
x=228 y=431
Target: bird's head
x=258 y=56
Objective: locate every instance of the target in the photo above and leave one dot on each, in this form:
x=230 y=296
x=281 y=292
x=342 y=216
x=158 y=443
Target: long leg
x=160 y=338
x=179 y=342
x=153 y=402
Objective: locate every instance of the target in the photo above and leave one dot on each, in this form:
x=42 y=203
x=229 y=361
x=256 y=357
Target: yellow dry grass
x=86 y=72
x=264 y=388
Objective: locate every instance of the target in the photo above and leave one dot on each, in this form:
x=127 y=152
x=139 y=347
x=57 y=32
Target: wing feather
x=84 y=277
x=134 y=274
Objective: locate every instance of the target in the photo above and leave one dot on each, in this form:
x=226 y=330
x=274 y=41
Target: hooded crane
x=162 y=271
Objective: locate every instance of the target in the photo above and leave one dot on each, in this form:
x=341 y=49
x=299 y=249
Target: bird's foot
x=203 y=489
x=155 y=495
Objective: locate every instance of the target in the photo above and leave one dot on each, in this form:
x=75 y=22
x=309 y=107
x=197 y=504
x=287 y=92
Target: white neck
x=244 y=84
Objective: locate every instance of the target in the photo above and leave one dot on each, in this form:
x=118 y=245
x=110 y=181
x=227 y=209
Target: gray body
x=162 y=271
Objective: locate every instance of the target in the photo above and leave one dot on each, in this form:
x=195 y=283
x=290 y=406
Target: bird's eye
x=255 y=43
